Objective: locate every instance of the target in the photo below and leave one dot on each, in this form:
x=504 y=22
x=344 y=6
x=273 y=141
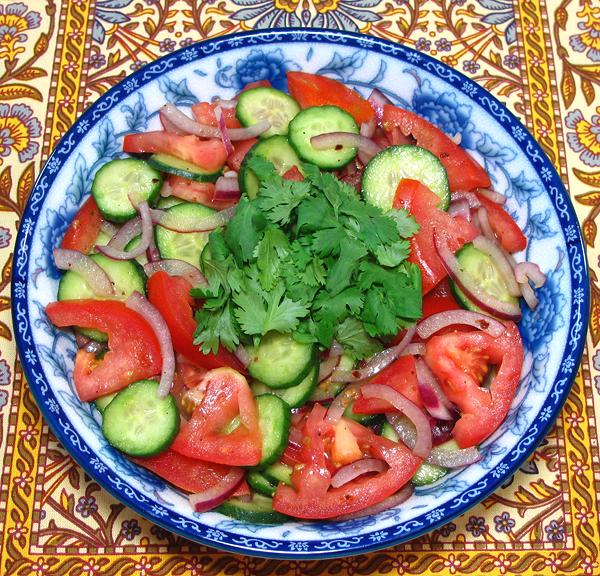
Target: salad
x=295 y=305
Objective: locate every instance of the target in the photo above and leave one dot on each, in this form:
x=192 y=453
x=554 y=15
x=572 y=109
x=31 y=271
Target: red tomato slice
x=84 y=229
x=171 y=297
x=422 y=204
x=227 y=396
x=312 y=497
x=440 y=299
x=207 y=154
x=463 y=172
x=204 y=113
x=257 y=84
x=314 y=90
x=461 y=360
x=400 y=375
x=199 y=192
x=294 y=174
x=134 y=352
x=189 y=474
x=510 y=235
x=240 y=149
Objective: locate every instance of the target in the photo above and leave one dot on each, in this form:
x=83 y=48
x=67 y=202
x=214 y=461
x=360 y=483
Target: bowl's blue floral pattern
x=553 y=335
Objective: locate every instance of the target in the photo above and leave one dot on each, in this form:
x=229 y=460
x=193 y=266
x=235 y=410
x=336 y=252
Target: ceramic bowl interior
x=553 y=335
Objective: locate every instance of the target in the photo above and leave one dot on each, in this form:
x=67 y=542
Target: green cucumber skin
x=295 y=396
x=282 y=108
x=258 y=511
x=274 y=418
x=178 y=167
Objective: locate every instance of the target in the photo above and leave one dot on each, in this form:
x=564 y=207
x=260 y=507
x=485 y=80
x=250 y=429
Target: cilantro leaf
x=277 y=198
x=262 y=168
x=340 y=273
x=405 y=222
x=244 y=229
x=354 y=339
x=270 y=250
x=392 y=254
x=214 y=327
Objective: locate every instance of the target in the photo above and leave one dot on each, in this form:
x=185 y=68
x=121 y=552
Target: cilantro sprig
x=311 y=259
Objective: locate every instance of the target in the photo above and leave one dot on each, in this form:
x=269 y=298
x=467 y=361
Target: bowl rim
x=334 y=547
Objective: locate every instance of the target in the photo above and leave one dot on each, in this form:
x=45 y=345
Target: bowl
x=553 y=335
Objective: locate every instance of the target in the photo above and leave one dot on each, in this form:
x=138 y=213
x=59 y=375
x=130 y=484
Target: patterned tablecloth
x=541 y=57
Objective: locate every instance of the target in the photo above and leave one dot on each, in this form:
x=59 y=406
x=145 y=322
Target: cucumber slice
x=281 y=362
x=276 y=150
x=257 y=481
x=483 y=269
x=102 y=402
x=120 y=184
x=327 y=390
x=259 y=510
x=267 y=103
x=295 y=396
x=185 y=246
x=139 y=422
x=274 y=421
x=127 y=276
x=322 y=120
x=385 y=170
x=178 y=167
x=169 y=201
x=278 y=472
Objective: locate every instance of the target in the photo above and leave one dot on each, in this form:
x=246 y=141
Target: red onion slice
x=376 y=363
x=492 y=195
x=529 y=296
x=351 y=471
x=166 y=189
x=152 y=252
x=126 y=233
x=168 y=126
x=147 y=233
x=177 y=268
x=211 y=498
x=484 y=300
x=470 y=197
x=460 y=208
x=432 y=395
x=225 y=104
x=177 y=119
x=334 y=140
x=414 y=349
x=367 y=129
x=182 y=223
x=249 y=132
x=423 y=442
x=92 y=273
x=395 y=500
x=378 y=101
x=458 y=458
x=227 y=188
x=340 y=403
x=242 y=355
x=440 y=320
x=140 y=305
x=501 y=261
x=484 y=224
x=525 y=271
x=332 y=361
x=224 y=131
x=109 y=228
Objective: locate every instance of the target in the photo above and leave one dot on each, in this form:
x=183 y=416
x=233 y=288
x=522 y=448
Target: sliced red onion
x=168 y=126
x=403 y=427
x=351 y=471
x=525 y=271
x=440 y=320
x=166 y=189
x=467 y=284
x=529 y=296
x=432 y=395
x=93 y=274
x=470 y=197
x=89 y=345
x=414 y=349
x=225 y=103
x=484 y=225
x=230 y=174
x=492 y=195
x=147 y=232
x=227 y=188
x=224 y=131
x=250 y=132
x=378 y=101
x=211 y=498
x=458 y=458
x=367 y=129
x=457 y=138
x=126 y=233
x=460 y=208
x=177 y=268
x=183 y=123
x=334 y=140
x=152 y=252
x=395 y=500
x=140 y=305
x=498 y=255
x=182 y=223
x=376 y=363
x=423 y=441
x=327 y=367
x=242 y=355
x=340 y=403
x=109 y=228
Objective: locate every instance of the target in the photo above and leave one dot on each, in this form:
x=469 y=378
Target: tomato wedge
x=204 y=113
x=134 y=352
x=199 y=192
x=205 y=435
x=314 y=90
x=463 y=172
x=311 y=496
x=422 y=203
x=510 y=235
x=207 y=154
x=84 y=229
x=461 y=361
x=170 y=295
x=240 y=149
x=440 y=299
x=401 y=375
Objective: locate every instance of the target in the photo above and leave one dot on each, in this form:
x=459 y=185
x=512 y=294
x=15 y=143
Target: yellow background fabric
x=540 y=57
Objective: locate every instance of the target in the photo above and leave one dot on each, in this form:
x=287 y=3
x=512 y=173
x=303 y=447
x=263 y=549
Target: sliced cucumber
x=102 y=402
x=276 y=150
x=385 y=170
x=360 y=418
x=123 y=183
x=322 y=120
x=327 y=390
x=295 y=396
x=259 y=510
x=281 y=362
x=185 y=246
x=274 y=421
x=139 y=422
x=258 y=482
x=178 y=167
x=169 y=201
x=483 y=269
x=278 y=472
x=265 y=103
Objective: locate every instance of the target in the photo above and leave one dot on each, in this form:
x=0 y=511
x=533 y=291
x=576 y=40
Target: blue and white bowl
x=553 y=335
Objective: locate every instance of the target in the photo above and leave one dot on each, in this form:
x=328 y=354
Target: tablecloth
x=541 y=57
